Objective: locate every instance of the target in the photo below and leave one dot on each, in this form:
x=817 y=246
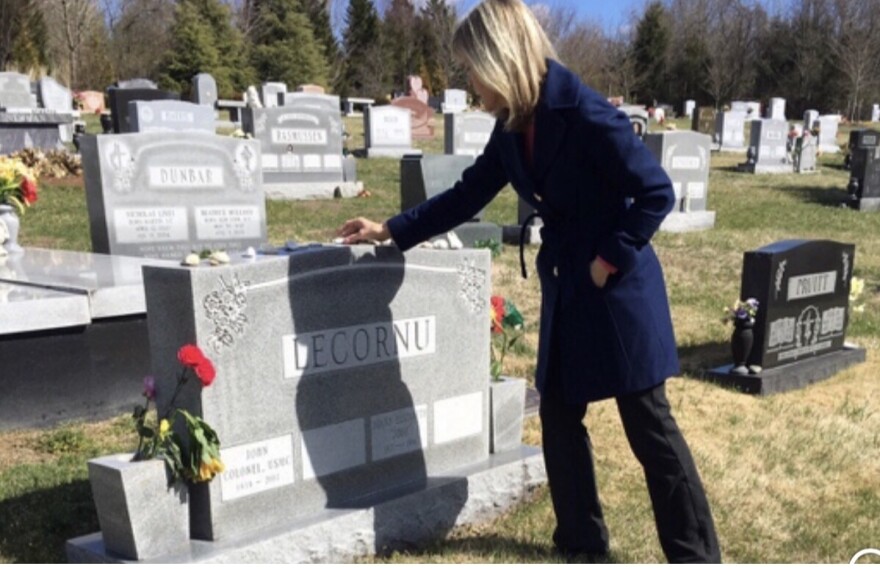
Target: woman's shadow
x=364 y=438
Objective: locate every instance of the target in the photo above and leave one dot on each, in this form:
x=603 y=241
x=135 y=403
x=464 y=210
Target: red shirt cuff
x=608 y=266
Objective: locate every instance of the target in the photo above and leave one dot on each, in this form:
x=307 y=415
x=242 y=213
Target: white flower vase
x=10 y=219
x=141 y=515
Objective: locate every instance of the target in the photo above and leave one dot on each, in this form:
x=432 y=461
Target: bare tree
x=70 y=23
x=139 y=36
x=856 y=49
x=732 y=39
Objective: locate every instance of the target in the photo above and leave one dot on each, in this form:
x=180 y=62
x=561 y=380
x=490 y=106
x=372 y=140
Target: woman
x=605 y=324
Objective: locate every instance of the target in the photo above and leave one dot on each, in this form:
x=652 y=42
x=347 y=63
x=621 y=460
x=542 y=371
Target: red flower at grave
x=496 y=313
x=206 y=372
x=28 y=191
x=190 y=355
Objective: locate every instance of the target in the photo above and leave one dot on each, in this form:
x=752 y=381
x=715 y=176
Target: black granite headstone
x=119 y=99
x=803 y=290
x=864 y=183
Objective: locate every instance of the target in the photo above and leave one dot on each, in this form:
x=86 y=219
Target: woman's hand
x=362 y=229
x=599 y=273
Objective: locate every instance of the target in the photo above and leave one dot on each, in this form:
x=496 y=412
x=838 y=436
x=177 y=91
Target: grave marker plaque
x=387 y=131
x=119 y=99
x=151 y=195
x=170 y=116
x=466 y=134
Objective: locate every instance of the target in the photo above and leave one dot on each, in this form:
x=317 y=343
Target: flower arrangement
x=741 y=312
x=507 y=325
x=202 y=460
x=18 y=184
x=856 y=288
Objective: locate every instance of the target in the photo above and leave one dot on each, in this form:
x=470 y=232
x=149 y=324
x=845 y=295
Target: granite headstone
x=119 y=99
x=204 y=90
x=767 y=152
x=730 y=131
x=388 y=131
x=454 y=101
x=170 y=116
x=15 y=91
x=466 y=134
x=828 y=133
x=422 y=116
x=270 y=92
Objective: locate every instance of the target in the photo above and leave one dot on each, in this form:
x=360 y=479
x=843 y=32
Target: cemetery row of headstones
x=39 y=115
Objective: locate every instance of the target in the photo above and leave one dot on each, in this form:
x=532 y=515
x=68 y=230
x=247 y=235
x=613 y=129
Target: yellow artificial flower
x=164 y=427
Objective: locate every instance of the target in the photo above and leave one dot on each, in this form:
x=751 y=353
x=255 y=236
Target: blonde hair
x=502 y=43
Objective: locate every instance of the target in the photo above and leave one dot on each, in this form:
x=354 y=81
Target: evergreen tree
x=400 y=45
x=30 y=50
x=284 y=46
x=651 y=51
x=361 y=72
x=203 y=40
x=441 y=70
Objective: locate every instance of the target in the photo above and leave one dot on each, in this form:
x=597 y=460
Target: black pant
x=681 y=511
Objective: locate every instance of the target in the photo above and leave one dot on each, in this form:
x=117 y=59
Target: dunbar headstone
x=828 y=133
x=387 y=131
x=466 y=134
x=864 y=184
x=423 y=177
x=685 y=155
x=301 y=147
x=422 y=116
x=802 y=288
x=767 y=152
x=170 y=116
x=15 y=91
x=204 y=90
x=351 y=400
x=161 y=196
x=120 y=98
x=730 y=131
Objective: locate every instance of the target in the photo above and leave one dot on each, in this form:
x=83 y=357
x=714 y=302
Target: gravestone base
x=473 y=231
x=472 y=495
x=867 y=204
x=391 y=152
x=680 y=222
x=312 y=190
x=732 y=149
x=791 y=376
x=510 y=234
x=766 y=168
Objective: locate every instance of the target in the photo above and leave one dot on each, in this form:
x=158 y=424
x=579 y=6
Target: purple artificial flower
x=150 y=387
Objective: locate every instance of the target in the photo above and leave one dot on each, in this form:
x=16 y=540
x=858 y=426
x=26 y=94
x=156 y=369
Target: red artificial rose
x=28 y=191
x=497 y=313
x=190 y=355
x=206 y=372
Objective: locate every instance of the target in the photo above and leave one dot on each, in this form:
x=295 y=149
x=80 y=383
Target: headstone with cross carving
x=153 y=195
x=803 y=293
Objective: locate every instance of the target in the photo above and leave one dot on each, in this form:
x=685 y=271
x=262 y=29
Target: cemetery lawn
x=792 y=477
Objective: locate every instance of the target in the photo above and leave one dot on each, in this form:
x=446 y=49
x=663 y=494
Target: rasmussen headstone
x=161 y=196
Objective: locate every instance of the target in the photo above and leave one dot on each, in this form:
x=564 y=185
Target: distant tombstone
x=730 y=131
x=704 y=121
x=15 y=92
x=204 y=90
x=875 y=113
x=864 y=184
x=805 y=153
x=270 y=94
x=751 y=109
x=329 y=103
x=689 y=107
x=466 y=134
x=777 y=109
x=138 y=83
x=828 y=133
x=32 y=128
x=120 y=98
x=170 y=116
x=423 y=177
x=454 y=101
x=768 y=153
x=301 y=147
x=802 y=288
x=685 y=156
x=638 y=116
x=54 y=96
x=91 y=101
x=161 y=196
x=416 y=89
x=422 y=121
x=810 y=118
x=388 y=131
x=310 y=88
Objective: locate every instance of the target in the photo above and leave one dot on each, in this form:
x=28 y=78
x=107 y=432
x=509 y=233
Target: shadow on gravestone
x=330 y=407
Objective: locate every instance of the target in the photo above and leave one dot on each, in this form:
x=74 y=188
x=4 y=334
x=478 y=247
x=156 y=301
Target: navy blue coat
x=600 y=192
